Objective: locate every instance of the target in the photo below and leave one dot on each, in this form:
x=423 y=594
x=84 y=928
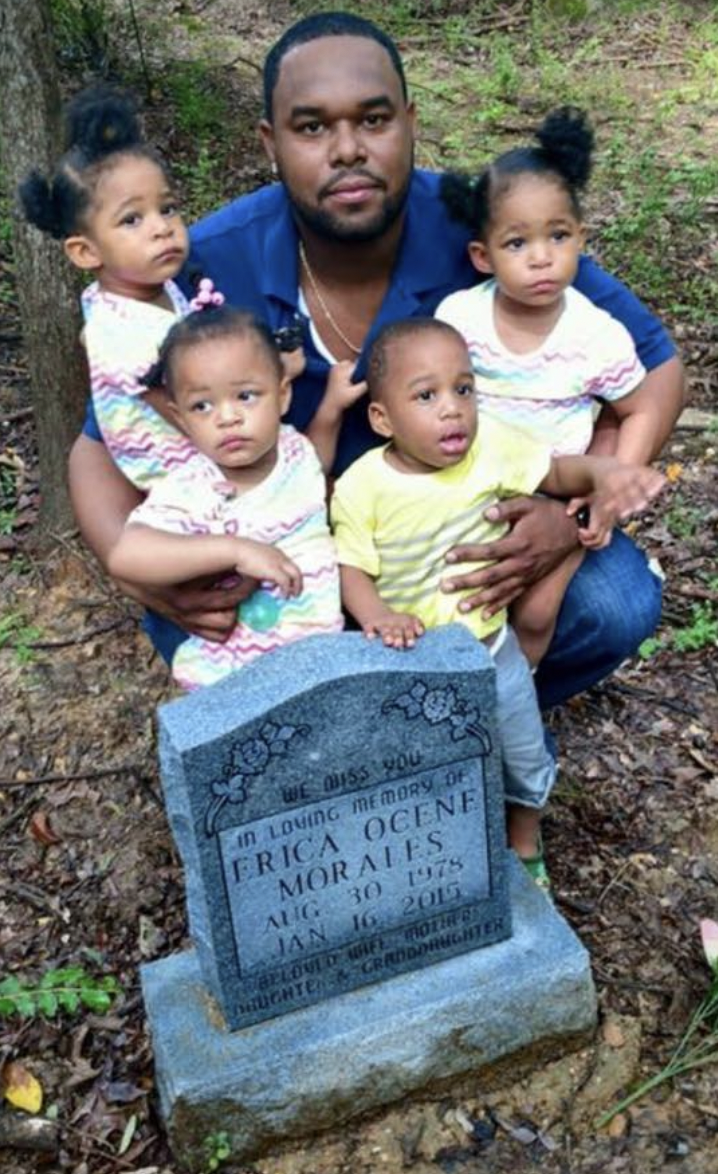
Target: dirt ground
x=89 y=874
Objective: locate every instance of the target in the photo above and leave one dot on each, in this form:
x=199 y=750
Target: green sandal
x=536 y=868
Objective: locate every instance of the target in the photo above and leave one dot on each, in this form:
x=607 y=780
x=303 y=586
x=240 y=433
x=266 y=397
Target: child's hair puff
x=565 y=146
x=566 y=139
x=100 y=121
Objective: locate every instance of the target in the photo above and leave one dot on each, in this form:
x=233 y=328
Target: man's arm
x=102 y=500
x=541 y=535
x=654 y=408
x=101 y=497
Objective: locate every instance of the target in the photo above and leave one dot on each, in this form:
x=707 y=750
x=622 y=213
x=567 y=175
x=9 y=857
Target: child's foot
x=524 y=830
x=536 y=868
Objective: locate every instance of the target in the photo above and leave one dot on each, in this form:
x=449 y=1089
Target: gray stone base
x=320 y=1066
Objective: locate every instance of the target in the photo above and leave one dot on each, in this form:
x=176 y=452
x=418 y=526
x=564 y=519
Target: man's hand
x=200 y=607
x=397 y=629
x=541 y=536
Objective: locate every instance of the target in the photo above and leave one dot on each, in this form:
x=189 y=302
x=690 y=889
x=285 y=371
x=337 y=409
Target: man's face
x=342 y=137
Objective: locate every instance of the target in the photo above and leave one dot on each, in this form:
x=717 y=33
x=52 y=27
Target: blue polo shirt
x=249 y=248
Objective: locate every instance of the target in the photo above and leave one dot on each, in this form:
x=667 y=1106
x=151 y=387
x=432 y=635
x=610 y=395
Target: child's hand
x=340 y=392
x=397 y=629
x=621 y=490
x=293 y=362
x=265 y=562
x=600 y=524
x=626 y=489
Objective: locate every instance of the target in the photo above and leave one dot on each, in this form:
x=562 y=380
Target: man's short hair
x=313 y=28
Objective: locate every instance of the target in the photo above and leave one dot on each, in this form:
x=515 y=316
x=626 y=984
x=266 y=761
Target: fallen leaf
x=21 y=1088
x=464 y=1120
x=128 y=1134
x=547 y=1142
x=522 y=1133
x=41 y=830
x=118 y=1092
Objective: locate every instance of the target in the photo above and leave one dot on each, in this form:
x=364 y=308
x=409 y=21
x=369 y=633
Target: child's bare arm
x=340 y=394
x=619 y=490
x=362 y=600
x=155 y=558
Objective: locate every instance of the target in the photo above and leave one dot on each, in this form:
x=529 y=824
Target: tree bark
x=47 y=287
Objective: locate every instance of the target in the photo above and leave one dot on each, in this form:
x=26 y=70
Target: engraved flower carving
x=438 y=705
x=253 y=755
x=248 y=760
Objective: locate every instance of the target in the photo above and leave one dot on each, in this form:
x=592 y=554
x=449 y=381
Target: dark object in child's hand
x=289 y=338
x=583 y=517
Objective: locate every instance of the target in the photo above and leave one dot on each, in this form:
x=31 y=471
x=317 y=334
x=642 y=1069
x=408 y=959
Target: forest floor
x=88 y=872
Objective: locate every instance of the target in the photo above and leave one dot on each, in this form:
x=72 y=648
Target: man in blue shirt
x=353 y=237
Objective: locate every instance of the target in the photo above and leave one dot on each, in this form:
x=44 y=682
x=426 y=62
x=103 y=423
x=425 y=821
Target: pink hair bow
x=206 y=296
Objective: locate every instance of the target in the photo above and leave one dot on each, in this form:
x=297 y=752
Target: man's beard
x=332 y=228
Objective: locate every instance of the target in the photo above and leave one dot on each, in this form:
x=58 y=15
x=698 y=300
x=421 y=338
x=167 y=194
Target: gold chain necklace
x=322 y=304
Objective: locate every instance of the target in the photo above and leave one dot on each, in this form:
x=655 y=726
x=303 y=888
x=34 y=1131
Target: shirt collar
x=280 y=278
x=420 y=265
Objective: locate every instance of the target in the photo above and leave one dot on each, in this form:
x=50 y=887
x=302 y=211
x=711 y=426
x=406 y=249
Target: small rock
x=613 y=1034
x=618 y=1126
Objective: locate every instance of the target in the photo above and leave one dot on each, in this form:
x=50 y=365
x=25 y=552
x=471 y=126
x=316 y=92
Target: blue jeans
x=613 y=603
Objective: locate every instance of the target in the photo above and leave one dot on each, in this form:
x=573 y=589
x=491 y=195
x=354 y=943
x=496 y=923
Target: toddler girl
x=397 y=509
x=112 y=204
x=543 y=355
x=250 y=500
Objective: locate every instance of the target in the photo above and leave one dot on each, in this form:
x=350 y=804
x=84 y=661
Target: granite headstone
x=339 y=811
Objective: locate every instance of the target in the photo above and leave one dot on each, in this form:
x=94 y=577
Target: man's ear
x=479 y=257
x=411 y=115
x=266 y=134
x=82 y=252
x=285 y=395
x=379 y=419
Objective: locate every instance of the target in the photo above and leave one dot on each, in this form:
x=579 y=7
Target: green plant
x=8 y=497
x=700 y=633
x=682 y=520
x=17 y=633
x=82 y=34
x=698 y=1045
x=650 y=647
x=217 y=1148
x=69 y=988
x=201 y=183
x=199 y=105
x=5 y=218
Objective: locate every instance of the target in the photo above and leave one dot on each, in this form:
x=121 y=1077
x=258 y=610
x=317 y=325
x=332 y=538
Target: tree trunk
x=47 y=287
